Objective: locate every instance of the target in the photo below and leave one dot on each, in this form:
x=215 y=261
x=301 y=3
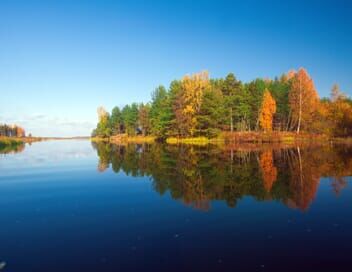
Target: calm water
x=74 y=206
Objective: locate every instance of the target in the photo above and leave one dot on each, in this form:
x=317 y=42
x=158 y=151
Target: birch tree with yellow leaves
x=303 y=100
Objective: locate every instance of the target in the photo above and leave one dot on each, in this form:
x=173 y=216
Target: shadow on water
x=198 y=175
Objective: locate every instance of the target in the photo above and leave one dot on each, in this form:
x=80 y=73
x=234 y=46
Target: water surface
x=77 y=206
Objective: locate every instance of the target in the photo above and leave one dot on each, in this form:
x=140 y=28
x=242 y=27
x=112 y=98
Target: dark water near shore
x=77 y=206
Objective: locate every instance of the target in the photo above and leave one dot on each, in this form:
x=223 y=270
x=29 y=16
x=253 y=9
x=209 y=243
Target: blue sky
x=60 y=60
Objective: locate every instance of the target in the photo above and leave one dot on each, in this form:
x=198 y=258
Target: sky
x=60 y=60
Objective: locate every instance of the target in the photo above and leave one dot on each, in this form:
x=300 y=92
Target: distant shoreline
x=8 y=141
x=226 y=138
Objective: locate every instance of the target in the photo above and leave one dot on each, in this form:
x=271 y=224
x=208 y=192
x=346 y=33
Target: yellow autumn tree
x=190 y=101
x=103 y=128
x=340 y=117
x=267 y=111
x=303 y=100
x=102 y=113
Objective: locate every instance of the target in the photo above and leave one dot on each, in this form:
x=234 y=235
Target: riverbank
x=273 y=137
x=195 y=140
x=123 y=138
x=230 y=138
x=243 y=138
x=13 y=141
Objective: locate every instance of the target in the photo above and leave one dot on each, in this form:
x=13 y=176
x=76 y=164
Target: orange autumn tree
x=337 y=114
x=267 y=111
x=303 y=100
x=20 y=132
x=340 y=117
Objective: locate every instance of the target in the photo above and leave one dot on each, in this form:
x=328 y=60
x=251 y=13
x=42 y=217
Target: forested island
x=13 y=138
x=198 y=107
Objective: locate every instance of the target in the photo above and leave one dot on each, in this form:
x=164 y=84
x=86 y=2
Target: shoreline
x=235 y=138
x=225 y=138
x=12 y=141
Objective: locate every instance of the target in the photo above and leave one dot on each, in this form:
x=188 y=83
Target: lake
x=82 y=206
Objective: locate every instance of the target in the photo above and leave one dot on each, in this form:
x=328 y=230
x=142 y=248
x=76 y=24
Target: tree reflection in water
x=197 y=175
x=12 y=149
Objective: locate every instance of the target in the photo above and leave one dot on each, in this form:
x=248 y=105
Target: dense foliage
x=199 y=106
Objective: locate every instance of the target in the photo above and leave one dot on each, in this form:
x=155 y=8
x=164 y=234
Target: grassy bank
x=133 y=139
x=233 y=138
x=120 y=139
x=272 y=137
x=32 y=139
x=100 y=139
x=8 y=142
x=194 y=140
x=16 y=141
x=253 y=138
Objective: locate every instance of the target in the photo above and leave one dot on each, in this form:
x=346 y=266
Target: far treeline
x=199 y=106
x=11 y=131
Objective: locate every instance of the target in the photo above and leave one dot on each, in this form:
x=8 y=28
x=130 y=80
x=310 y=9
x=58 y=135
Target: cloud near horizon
x=43 y=125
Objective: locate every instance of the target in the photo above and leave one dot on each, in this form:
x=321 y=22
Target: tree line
x=12 y=131
x=197 y=105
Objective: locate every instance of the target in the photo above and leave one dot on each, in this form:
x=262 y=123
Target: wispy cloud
x=36 y=117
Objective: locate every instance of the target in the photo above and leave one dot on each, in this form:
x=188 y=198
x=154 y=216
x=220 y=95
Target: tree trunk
x=231 y=169
x=300 y=167
x=300 y=107
x=257 y=123
x=231 y=120
x=288 y=127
